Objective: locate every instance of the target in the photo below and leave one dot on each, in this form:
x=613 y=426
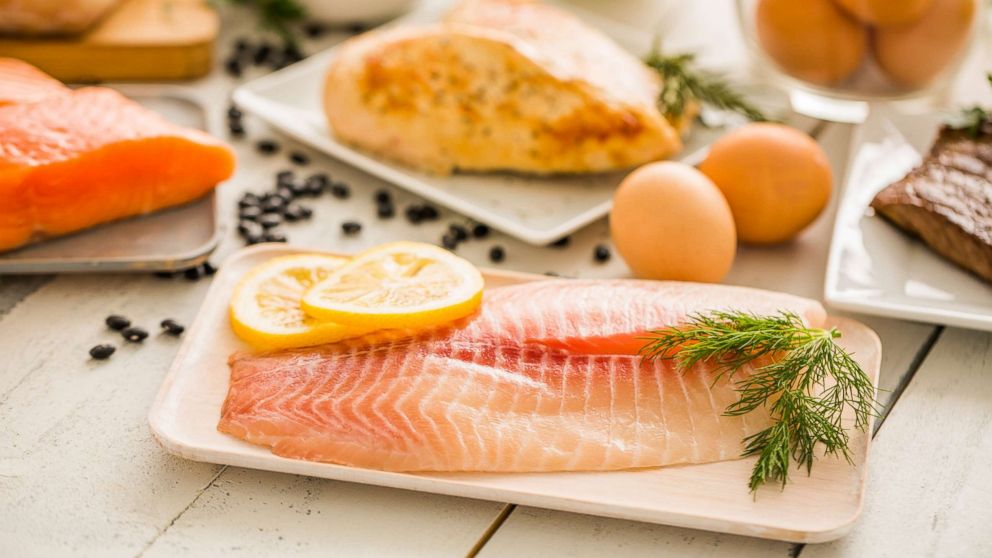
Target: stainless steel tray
x=169 y=240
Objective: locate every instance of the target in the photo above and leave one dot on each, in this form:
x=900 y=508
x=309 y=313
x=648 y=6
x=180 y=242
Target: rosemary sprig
x=972 y=119
x=802 y=376
x=278 y=16
x=682 y=83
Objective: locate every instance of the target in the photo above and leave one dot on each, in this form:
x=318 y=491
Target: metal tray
x=168 y=240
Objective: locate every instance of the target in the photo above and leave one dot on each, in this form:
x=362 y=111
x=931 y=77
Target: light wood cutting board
x=712 y=496
x=138 y=40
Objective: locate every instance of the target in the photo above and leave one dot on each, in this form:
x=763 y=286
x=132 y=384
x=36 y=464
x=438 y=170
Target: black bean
x=249 y=228
x=209 y=269
x=266 y=146
x=296 y=212
x=274 y=204
x=192 y=274
x=497 y=254
x=116 y=322
x=601 y=253
x=165 y=274
x=562 y=242
x=172 y=327
x=383 y=196
x=340 y=190
x=385 y=210
x=102 y=352
x=262 y=53
x=449 y=241
x=250 y=213
x=314 y=29
x=430 y=212
x=458 y=231
x=321 y=179
x=241 y=45
x=248 y=200
x=253 y=239
x=480 y=230
x=233 y=67
x=315 y=184
x=236 y=129
x=285 y=192
x=234 y=113
x=351 y=227
x=356 y=27
x=134 y=334
x=270 y=220
x=274 y=236
x=414 y=214
x=291 y=53
x=285 y=177
x=299 y=158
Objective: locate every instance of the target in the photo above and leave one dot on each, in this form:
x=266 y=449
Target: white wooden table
x=81 y=475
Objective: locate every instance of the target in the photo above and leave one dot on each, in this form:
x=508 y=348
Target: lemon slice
x=398 y=285
x=265 y=308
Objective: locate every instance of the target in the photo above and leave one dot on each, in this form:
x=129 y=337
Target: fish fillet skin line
x=544 y=378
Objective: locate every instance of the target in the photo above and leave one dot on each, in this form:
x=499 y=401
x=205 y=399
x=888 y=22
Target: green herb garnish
x=277 y=16
x=971 y=120
x=804 y=378
x=682 y=84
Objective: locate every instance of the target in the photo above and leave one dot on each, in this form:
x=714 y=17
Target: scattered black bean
x=285 y=192
x=274 y=236
x=234 y=113
x=562 y=242
x=351 y=227
x=241 y=45
x=383 y=196
x=249 y=228
x=192 y=274
x=165 y=274
x=385 y=210
x=209 y=269
x=601 y=253
x=262 y=53
x=296 y=212
x=248 y=200
x=459 y=232
x=233 y=67
x=254 y=239
x=116 y=322
x=299 y=189
x=172 y=327
x=134 y=334
x=314 y=29
x=236 y=129
x=315 y=184
x=270 y=220
x=291 y=53
x=250 y=213
x=102 y=352
x=274 y=204
x=497 y=254
x=356 y=27
x=449 y=241
x=414 y=214
x=285 y=177
x=299 y=158
x=266 y=146
x=321 y=178
x=340 y=190
x=480 y=230
x=430 y=212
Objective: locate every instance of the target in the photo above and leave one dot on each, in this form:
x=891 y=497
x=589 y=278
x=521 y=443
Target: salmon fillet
x=21 y=82
x=545 y=378
x=74 y=160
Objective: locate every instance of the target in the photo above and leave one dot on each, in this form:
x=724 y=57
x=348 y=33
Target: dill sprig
x=277 y=16
x=802 y=376
x=972 y=119
x=682 y=84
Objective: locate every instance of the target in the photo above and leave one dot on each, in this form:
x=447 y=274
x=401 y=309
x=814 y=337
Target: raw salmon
x=21 y=82
x=75 y=159
x=545 y=378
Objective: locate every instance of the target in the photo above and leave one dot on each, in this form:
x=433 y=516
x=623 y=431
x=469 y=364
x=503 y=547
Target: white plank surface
x=930 y=485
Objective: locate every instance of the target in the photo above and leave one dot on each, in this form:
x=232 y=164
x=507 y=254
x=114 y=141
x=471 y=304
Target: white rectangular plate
x=713 y=496
x=538 y=210
x=874 y=267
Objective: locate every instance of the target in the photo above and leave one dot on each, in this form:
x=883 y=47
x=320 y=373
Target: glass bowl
x=835 y=55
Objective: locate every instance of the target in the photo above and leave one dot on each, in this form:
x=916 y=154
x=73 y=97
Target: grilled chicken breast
x=498 y=85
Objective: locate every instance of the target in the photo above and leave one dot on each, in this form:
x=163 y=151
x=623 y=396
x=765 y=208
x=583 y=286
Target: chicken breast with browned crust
x=498 y=85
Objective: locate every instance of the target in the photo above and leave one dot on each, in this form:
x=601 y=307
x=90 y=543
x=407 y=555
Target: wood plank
x=929 y=488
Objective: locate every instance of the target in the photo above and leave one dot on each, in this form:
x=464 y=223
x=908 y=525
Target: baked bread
x=51 y=17
x=499 y=85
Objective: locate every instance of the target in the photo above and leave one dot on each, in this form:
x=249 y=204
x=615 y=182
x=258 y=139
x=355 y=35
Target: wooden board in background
x=711 y=496
x=139 y=40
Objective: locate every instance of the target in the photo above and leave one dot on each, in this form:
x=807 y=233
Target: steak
x=947 y=200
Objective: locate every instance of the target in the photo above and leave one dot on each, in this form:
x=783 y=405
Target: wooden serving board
x=138 y=40
x=712 y=496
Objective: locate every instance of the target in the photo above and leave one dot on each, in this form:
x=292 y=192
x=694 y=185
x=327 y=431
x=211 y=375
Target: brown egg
x=775 y=178
x=812 y=40
x=671 y=222
x=914 y=54
x=886 y=12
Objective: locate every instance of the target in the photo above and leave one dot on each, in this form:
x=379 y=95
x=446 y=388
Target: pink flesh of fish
x=545 y=378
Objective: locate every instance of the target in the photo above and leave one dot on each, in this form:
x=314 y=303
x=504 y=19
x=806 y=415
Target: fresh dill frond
x=683 y=84
x=800 y=374
x=972 y=119
x=277 y=16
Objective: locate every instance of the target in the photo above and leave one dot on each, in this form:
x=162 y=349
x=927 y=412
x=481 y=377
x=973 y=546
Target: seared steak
x=947 y=200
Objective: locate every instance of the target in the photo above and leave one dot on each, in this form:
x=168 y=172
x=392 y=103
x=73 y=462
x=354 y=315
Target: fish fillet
x=74 y=159
x=544 y=378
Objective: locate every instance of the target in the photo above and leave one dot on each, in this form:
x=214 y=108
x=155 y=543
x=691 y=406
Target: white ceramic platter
x=874 y=268
x=538 y=210
x=713 y=496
